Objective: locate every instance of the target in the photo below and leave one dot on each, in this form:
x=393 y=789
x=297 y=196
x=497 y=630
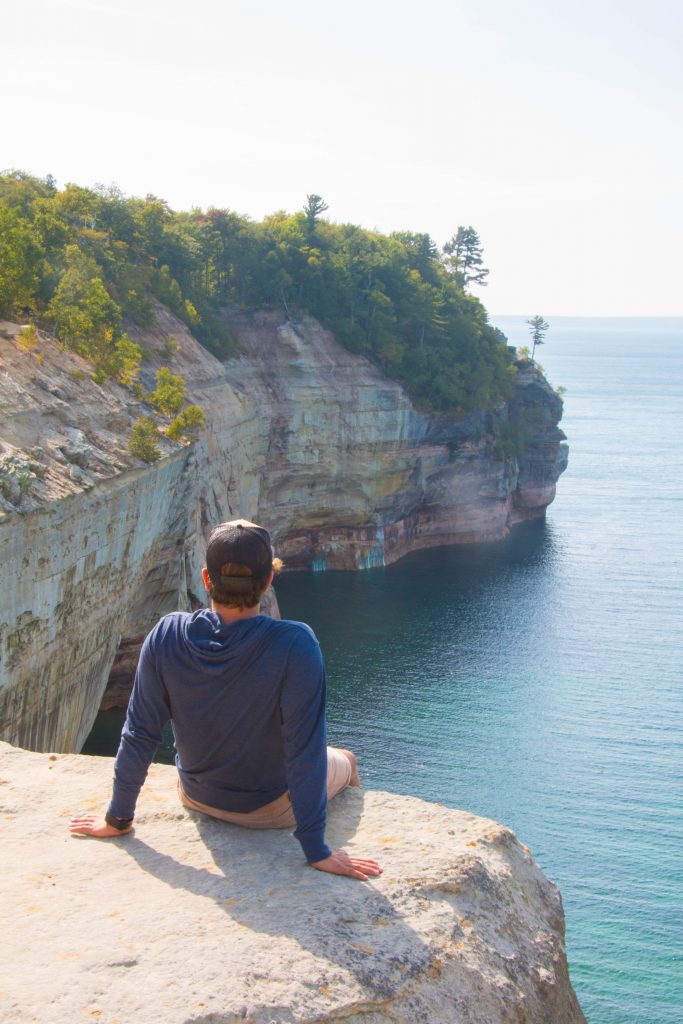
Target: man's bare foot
x=351 y=757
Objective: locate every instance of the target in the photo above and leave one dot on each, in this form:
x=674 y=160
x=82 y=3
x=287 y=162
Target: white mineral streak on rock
x=191 y=921
x=302 y=435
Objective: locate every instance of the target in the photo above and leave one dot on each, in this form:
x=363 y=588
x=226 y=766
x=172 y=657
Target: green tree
x=84 y=316
x=538 y=328
x=422 y=253
x=144 y=437
x=126 y=361
x=464 y=258
x=187 y=423
x=21 y=256
x=20 y=190
x=314 y=206
x=170 y=393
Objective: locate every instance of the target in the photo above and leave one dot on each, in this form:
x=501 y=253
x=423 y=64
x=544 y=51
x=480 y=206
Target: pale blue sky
x=554 y=129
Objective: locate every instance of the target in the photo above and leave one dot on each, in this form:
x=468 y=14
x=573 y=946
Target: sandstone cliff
x=190 y=921
x=355 y=476
x=302 y=435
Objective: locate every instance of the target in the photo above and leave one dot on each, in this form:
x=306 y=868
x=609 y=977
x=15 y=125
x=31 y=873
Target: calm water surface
x=538 y=681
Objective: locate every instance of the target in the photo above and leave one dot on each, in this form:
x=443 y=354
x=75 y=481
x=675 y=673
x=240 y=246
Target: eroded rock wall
x=301 y=435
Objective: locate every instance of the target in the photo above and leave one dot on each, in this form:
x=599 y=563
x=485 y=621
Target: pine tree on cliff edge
x=464 y=258
x=538 y=328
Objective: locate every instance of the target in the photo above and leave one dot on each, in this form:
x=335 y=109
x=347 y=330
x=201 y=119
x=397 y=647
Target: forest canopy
x=81 y=261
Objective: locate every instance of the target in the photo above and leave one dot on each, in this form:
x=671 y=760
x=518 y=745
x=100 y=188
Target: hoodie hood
x=211 y=639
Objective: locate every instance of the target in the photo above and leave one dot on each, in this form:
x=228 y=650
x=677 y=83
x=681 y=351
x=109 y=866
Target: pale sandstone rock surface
x=301 y=435
x=190 y=921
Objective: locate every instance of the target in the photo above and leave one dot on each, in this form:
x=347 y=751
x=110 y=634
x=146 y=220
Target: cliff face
x=354 y=476
x=191 y=920
x=302 y=435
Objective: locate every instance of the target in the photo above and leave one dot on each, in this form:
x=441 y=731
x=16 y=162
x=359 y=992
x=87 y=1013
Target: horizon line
x=598 y=316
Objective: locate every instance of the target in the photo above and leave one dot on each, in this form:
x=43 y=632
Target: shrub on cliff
x=170 y=392
x=169 y=397
x=143 y=443
x=27 y=339
x=187 y=424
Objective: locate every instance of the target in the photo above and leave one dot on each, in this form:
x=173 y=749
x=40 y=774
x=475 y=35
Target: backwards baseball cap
x=238 y=544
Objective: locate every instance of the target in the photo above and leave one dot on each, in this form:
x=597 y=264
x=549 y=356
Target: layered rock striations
x=355 y=476
x=188 y=920
x=301 y=434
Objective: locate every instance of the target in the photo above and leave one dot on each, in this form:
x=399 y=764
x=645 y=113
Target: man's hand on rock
x=339 y=863
x=94 y=825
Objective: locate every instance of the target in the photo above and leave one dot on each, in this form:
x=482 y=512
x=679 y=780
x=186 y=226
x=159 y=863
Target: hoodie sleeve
x=148 y=712
x=302 y=707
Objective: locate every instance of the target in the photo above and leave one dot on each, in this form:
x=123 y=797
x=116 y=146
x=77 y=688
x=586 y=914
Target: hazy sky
x=553 y=128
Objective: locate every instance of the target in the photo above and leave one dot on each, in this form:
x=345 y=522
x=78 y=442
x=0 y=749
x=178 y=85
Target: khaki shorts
x=278 y=814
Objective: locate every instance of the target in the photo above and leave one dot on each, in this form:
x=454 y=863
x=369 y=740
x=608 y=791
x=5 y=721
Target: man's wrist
x=118 y=823
x=317 y=852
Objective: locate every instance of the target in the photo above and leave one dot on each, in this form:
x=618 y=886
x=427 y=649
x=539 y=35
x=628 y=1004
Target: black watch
x=119 y=823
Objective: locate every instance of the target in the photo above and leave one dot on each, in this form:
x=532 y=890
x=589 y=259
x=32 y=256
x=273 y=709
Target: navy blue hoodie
x=246 y=702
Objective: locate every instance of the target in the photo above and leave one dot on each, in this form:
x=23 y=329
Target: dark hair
x=240 y=594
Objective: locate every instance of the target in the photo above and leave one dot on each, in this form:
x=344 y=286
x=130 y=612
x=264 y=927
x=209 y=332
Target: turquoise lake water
x=538 y=681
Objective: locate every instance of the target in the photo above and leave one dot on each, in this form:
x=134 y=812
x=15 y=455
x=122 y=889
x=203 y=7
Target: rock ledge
x=189 y=921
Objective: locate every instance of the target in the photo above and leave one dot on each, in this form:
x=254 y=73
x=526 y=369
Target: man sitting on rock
x=246 y=697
